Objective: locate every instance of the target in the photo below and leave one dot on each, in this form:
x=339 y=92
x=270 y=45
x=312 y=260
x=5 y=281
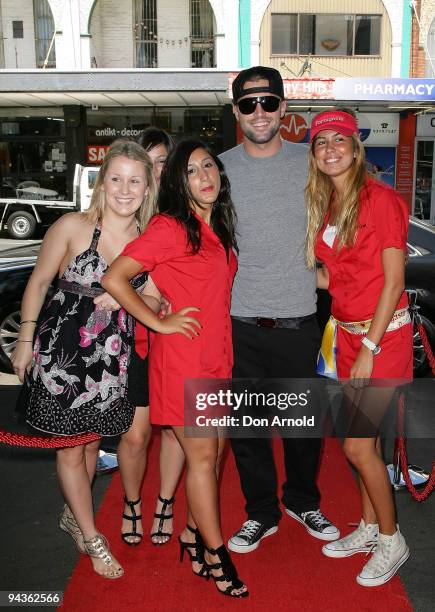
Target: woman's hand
x=322 y=276
x=22 y=359
x=106 y=302
x=165 y=308
x=362 y=368
x=179 y=322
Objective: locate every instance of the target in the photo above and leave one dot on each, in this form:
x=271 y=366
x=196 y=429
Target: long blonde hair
x=131 y=149
x=318 y=194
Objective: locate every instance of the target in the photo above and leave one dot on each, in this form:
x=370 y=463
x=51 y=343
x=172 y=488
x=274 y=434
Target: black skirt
x=138 y=391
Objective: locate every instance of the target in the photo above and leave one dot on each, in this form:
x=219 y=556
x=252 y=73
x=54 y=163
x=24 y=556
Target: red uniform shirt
x=356 y=275
x=356 y=279
x=204 y=280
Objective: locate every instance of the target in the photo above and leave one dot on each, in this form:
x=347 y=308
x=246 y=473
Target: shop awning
x=156 y=87
x=200 y=87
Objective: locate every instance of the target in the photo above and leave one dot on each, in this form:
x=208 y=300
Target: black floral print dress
x=81 y=353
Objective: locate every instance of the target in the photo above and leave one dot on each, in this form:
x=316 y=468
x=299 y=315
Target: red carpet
x=287 y=572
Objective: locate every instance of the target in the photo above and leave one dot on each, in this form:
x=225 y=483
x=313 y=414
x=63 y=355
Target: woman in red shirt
x=189 y=249
x=357 y=228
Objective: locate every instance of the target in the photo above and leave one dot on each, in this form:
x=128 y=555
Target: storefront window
x=105 y=126
x=424 y=204
x=32 y=150
x=52 y=124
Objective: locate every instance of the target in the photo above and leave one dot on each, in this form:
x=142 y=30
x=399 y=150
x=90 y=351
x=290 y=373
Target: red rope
x=426 y=345
x=17 y=439
x=403 y=460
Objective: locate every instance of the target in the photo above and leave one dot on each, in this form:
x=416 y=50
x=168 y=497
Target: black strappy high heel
x=133 y=518
x=229 y=572
x=197 y=555
x=163 y=517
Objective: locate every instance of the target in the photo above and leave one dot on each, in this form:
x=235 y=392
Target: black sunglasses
x=268 y=103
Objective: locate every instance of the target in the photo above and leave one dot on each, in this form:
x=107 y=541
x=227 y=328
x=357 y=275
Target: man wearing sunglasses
x=275 y=332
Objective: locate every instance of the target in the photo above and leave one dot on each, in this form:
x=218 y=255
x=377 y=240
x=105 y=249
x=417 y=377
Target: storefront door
x=424 y=191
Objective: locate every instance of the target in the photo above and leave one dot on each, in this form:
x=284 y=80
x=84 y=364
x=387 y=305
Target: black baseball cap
x=276 y=85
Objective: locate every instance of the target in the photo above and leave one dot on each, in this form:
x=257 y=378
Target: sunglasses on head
x=268 y=103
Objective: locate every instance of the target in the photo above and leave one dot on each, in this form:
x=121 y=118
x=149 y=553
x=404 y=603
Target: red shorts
x=395 y=361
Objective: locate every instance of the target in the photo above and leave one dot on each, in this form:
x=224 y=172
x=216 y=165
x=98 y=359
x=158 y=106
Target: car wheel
x=10 y=318
x=21 y=225
x=421 y=361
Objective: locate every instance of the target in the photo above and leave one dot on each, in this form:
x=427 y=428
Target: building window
x=325 y=34
x=44 y=35
x=17 y=29
x=145 y=33
x=202 y=51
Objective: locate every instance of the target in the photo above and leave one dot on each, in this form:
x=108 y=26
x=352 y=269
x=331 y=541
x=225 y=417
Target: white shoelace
x=249 y=528
x=317 y=517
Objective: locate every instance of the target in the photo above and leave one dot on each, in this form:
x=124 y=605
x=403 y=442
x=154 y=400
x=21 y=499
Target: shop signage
x=379 y=129
x=300 y=89
x=96 y=153
x=405 y=158
x=309 y=89
x=384 y=89
x=108 y=131
x=395 y=90
x=426 y=125
x=295 y=127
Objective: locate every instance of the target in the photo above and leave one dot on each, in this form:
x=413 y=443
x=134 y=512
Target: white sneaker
x=391 y=552
x=362 y=540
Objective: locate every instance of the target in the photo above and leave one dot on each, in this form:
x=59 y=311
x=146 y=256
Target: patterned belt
x=78 y=289
x=399 y=319
x=327 y=357
x=270 y=323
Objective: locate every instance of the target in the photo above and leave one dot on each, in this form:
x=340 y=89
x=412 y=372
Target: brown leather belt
x=270 y=323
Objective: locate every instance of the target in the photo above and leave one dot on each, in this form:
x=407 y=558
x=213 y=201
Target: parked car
x=420 y=280
x=17 y=263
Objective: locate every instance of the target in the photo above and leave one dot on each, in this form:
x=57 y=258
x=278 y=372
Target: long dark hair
x=175 y=197
x=152 y=137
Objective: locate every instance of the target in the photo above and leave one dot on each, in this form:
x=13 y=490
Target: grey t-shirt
x=268 y=194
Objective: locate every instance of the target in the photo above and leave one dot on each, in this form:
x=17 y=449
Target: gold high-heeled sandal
x=68 y=523
x=98 y=548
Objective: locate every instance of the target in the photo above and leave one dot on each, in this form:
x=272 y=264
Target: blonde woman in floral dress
x=75 y=346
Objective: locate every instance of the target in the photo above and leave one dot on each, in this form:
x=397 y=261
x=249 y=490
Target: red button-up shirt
x=356 y=275
x=204 y=280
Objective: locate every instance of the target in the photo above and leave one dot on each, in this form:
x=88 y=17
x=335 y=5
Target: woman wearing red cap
x=357 y=229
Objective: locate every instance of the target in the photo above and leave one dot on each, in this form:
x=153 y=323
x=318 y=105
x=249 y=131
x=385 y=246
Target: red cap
x=340 y=121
